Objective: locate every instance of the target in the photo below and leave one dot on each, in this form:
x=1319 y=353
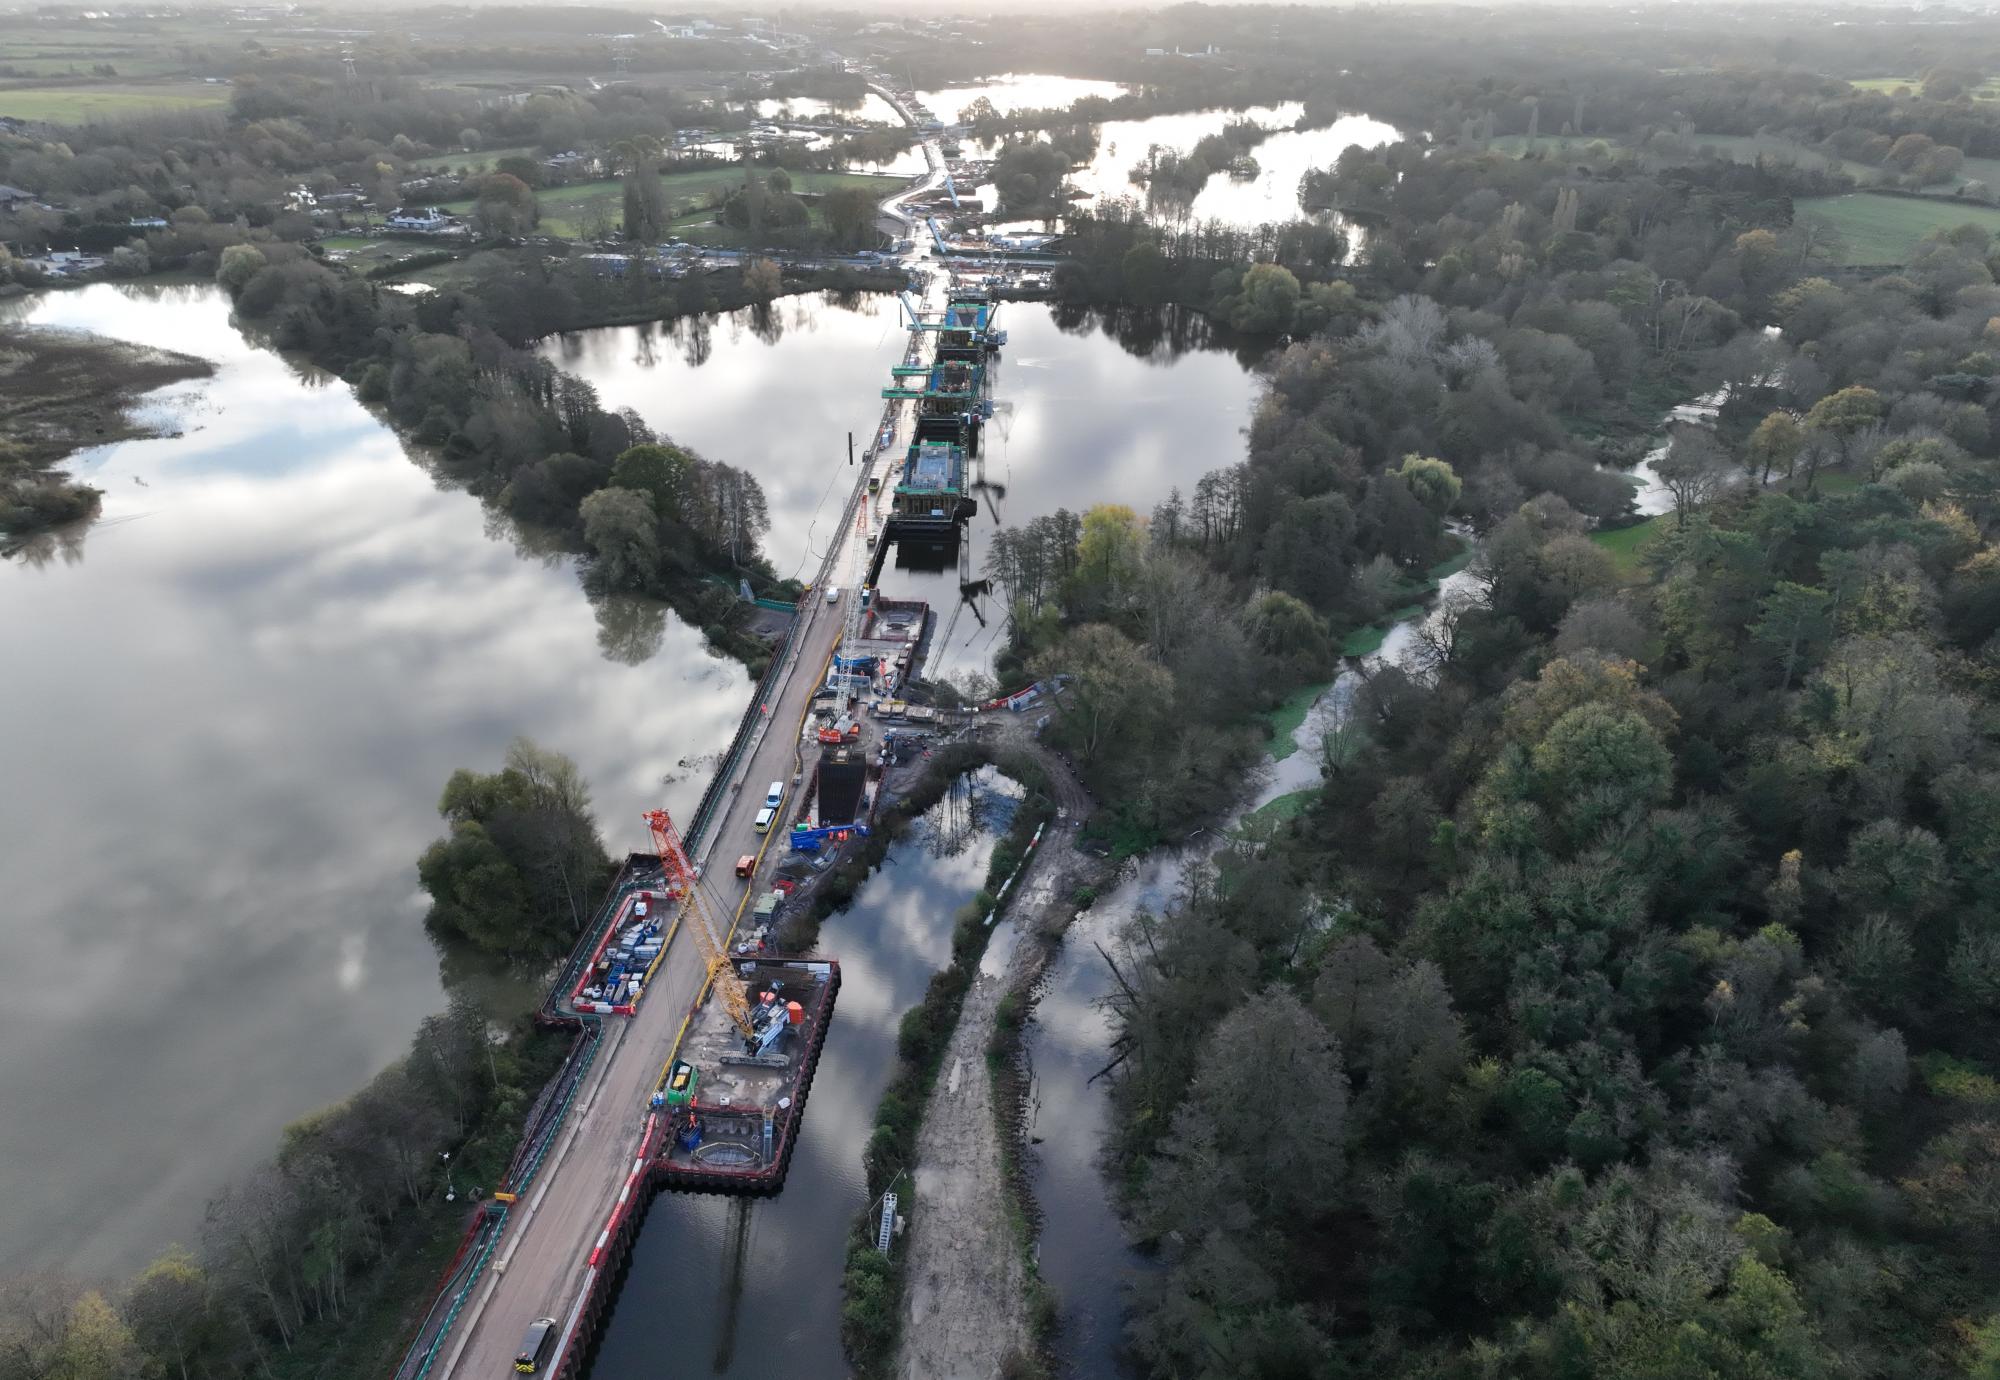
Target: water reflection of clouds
x=228 y=726
x=1083 y=418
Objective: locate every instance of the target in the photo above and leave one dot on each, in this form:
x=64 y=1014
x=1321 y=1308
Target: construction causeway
x=690 y=1068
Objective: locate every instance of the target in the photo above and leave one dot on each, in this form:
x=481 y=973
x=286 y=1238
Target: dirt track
x=965 y=1297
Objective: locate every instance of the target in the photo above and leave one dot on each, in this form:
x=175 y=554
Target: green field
x=1626 y=546
x=106 y=100
x=466 y=162
x=1885 y=229
x=1988 y=90
x=567 y=211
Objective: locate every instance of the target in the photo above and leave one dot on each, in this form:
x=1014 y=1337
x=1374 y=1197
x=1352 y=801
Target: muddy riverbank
x=61 y=391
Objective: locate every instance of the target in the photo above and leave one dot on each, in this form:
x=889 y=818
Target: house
x=67 y=263
x=14 y=199
x=427 y=220
x=147 y=222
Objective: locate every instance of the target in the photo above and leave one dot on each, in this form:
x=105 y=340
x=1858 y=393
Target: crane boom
x=684 y=883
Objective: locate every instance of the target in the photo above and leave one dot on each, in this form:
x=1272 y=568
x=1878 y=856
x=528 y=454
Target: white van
x=833 y=594
x=764 y=818
x=774 y=795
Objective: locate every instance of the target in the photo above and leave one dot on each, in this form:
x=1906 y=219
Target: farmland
x=85 y=102
x=468 y=162
x=1988 y=90
x=1885 y=229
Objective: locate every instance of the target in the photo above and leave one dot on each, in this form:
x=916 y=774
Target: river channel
x=231 y=705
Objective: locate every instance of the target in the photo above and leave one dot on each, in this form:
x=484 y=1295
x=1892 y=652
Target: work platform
x=732 y=1116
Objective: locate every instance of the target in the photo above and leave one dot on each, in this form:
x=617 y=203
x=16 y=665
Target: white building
x=426 y=221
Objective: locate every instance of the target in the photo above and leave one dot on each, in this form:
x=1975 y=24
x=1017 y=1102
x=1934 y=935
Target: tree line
x=531 y=439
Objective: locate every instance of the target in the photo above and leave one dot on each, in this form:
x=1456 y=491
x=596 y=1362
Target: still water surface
x=1271 y=196
x=230 y=707
x=1089 y=409
x=868 y=109
x=721 y=1286
x=1014 y=91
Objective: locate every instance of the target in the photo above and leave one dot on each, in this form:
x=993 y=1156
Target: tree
x=661 y=471
x=1283 y=628
x=1433 y=481
x=1695 y=469
x=850 y=216
x=1264 y=304
x=505 y=206
x=523 y=862
x=1117 y=695
x=169 y=1310
x=1598 y=762
x=1308 y=548
x=476 y=891
x=1795 y=627
x=763 y=279
x=1774 y=445
x=623 y=531
x=647 y=214
x=1845 y=414
x=240 y=263
x=1107 y=559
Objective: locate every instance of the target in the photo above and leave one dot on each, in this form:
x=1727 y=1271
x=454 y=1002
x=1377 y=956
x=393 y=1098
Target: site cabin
x=746 y=865
x=767 y=906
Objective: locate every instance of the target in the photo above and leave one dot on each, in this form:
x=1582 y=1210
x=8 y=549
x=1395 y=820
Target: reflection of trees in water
x=547 y=547
x=63 y=544
x=646 y=346
x=698 y=341
x=1158 y=335
x=767 y=323
x=630 y=629
x=959 y=817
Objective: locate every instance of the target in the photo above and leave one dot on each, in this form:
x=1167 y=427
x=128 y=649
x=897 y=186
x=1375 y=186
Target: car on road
x=541 y=1336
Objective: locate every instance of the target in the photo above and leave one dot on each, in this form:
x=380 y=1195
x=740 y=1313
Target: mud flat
x=61 y=391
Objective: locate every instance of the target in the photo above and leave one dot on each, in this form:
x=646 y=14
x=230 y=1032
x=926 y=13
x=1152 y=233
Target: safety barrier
x=704 y=813
x=444 y=1310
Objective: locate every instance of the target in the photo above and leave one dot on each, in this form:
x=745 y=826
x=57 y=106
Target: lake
x=232 y=704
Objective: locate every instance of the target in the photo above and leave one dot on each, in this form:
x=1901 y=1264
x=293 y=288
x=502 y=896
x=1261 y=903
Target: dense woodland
x=1623 y=1004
